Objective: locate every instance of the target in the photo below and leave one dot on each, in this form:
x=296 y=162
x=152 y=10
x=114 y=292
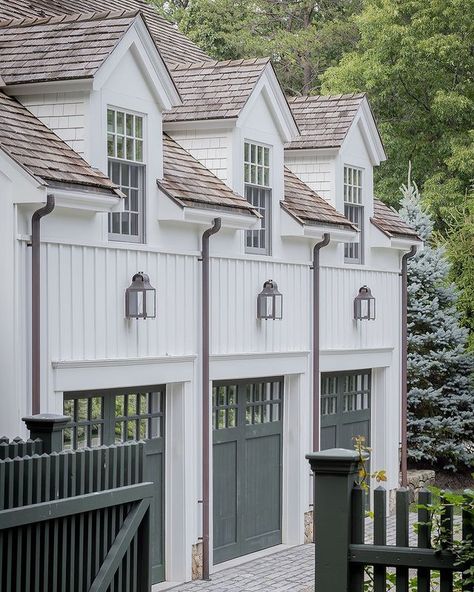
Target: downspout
x=205 y=395
x=316 y=380
x=36 y=302
x=404 y=361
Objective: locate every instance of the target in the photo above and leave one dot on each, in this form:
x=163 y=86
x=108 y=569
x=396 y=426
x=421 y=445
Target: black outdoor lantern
x=140 y=298
x=270 y=302
x=364 y=305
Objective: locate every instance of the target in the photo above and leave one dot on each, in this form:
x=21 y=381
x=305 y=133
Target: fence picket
x=380 y=535
x=447 y=524
x=402 y=535
x=424 y=538
x=357 y=535
x=467 y=533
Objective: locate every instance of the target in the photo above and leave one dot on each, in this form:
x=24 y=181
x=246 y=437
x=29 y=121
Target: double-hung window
x=127 y=170
x=258 y=192
x=354 y=211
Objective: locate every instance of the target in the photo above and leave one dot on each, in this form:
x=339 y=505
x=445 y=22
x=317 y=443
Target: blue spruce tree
x=440 y=385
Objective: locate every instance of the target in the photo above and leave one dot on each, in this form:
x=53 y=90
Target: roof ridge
x=219 y=63
x=68 y=18
x=338 y=97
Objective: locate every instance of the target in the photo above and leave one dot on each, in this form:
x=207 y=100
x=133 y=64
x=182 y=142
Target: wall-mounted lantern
x=270 y=302
x=140 y=298
x=364 y=305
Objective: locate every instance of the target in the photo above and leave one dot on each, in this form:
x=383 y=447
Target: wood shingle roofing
x=42 y=153
x=191 y=184
x=173 y=45
x=214 y=90
x=323 y=120
x=59 y=48
x=308 y=207
x=390 y=223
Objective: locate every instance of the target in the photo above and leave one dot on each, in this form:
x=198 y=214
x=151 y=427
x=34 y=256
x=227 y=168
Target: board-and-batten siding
x=83 y=300
x=84 y=296
x=209 y=147
x=338 y=330
x=64 y=113
x=315 y=171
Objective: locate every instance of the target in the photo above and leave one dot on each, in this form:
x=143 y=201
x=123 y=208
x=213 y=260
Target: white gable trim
x=22 y=180
x=138 y=40
x=367 y=126
x=271 y=90
x=291 y=226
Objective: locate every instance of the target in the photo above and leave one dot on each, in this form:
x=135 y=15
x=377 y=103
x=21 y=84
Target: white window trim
x=267 y=250
x=360 y=205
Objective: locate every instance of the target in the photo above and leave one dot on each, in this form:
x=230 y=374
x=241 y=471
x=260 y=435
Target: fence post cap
x=46 y=422
x=335 y=460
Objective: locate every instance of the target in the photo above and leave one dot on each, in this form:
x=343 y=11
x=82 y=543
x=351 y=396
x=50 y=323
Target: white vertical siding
x=208 y=146
x=64 y=113
x=84 y=303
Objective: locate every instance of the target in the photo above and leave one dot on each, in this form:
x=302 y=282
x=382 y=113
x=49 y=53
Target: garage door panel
x=247 y=439
x=262 y=486
x=349 y=431
x=328 y=437
x=225 y=494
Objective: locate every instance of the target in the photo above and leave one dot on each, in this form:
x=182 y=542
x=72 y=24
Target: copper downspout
x=404 y=356
x=316 y=380
x=36 y=302
x=205 y=395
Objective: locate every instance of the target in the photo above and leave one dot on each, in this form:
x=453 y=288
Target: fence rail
x=74 y=520
x=341 y=553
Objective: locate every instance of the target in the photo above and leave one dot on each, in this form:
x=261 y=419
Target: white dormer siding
x=316 y=169
x=64 y=113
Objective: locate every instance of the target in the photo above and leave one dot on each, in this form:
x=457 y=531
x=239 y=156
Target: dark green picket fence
x=74 y=521
x=339 y=522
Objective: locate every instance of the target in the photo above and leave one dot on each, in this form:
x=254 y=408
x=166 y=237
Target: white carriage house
x=141 y=142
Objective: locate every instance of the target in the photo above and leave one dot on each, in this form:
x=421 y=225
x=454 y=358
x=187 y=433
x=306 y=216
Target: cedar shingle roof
x=173 y=45
x=390 y=223
x=191 y=184
x=306 y=205
x=61 y=47
x=214 y=90
x=41 y=153
x=323 y=120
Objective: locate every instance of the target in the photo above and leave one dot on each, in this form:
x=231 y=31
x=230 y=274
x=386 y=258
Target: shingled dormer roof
x=390 y=223
x=214 y=90
x=191 y=184
x=173 y=45
x=323 y=120
x=308 y=207
x=41 y=153
x=61 y=47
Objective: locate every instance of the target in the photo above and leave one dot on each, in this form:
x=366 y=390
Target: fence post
x=335 y=472
x=49 y=428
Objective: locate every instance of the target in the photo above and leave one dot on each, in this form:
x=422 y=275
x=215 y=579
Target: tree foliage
x=303 y=37
x=441 y=393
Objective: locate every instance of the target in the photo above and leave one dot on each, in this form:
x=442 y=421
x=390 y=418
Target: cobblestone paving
x=289 y=570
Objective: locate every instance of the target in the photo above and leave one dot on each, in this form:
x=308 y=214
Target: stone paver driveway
x=288 y=570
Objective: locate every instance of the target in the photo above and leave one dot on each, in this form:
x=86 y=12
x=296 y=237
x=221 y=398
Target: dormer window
x=258 y=192
x=354 y=211
x=126 y=169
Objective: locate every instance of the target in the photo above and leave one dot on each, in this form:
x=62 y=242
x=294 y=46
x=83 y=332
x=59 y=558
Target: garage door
x=247 y=466
x=120 y=415
x=345 y=408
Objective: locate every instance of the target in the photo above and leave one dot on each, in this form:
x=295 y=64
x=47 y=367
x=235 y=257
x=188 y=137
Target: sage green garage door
x=120 y=415
x=345 y=408
x=247 y=466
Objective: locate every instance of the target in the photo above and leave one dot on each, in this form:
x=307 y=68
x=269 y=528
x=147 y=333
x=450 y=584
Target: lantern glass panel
x=150 y=301
x=135 y=303
x=278 y=306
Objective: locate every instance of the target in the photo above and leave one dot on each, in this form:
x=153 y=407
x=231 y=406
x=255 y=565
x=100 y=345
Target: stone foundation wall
x=418 y=480
x=308 y=527
x=197 y=561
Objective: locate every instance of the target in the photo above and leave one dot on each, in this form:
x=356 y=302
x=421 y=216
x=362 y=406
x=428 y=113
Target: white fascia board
x=290 y=226
x=405 y=244
x=137 y=40
x=55 y=86
x=269 y=86
x=298 y=152
x=171 y=211
x=380 y=240
x=365 y=121
x=200 y=124
x=86 y=200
